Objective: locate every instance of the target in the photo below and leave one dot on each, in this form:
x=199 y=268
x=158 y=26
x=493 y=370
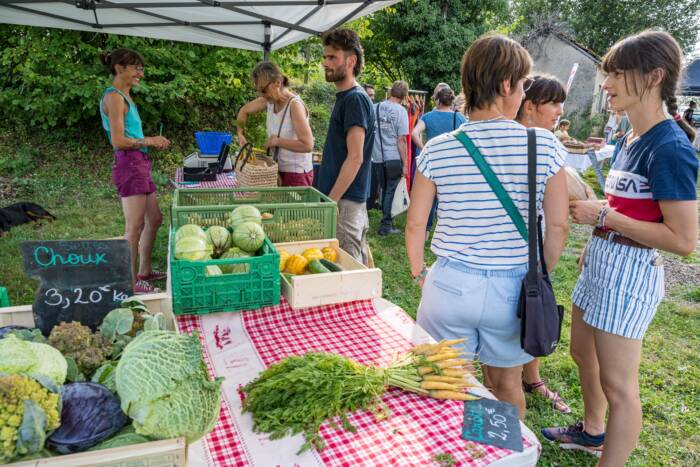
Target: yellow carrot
x=438 y=385
x=453 y=395
x=443 y=356
x=445 y=379
x=424 y=370
x=451 y=363
x=452 y=342
x=457 y=373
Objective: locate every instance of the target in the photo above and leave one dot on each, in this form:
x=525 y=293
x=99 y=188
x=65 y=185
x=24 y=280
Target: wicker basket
x=255 y=170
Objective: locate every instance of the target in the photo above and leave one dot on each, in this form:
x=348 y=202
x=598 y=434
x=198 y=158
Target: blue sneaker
x=575 y=437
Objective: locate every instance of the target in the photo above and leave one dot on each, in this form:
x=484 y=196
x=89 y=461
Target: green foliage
x=598 y=24
x=54 y=78
x=422 y=41
x=319 y=98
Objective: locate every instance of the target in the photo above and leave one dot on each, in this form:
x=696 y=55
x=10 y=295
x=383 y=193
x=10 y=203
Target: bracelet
x=421 y=275
x=600 y=223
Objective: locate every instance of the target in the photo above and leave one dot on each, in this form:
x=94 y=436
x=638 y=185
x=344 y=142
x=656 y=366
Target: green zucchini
x=315 y=267
x=330 y=265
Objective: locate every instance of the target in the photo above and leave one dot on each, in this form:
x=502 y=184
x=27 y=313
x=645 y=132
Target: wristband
x=421 y=275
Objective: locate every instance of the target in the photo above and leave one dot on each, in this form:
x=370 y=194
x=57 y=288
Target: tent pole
x=267 y=41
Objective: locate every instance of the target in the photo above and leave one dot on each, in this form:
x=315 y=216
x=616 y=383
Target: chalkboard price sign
x=81 y=280
x=492 y=422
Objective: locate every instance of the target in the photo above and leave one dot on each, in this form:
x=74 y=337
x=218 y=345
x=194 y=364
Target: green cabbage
x=23 y=357
x=165 y=388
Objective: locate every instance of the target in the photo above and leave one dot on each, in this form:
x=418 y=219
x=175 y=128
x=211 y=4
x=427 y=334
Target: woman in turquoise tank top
x=131 y=172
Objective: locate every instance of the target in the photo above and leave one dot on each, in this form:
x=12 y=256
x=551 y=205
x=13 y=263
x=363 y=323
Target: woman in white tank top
x=288 y=130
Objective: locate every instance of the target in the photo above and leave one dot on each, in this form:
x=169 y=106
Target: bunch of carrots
x=301 y=392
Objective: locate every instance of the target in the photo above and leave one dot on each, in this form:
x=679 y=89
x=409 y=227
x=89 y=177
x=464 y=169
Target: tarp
x=244 y=24
x=690 y=85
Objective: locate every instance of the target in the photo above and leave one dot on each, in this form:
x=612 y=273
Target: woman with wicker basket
x=289 y=135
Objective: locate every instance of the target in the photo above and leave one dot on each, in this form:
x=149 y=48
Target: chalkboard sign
x=81 y=280
x=492 y=422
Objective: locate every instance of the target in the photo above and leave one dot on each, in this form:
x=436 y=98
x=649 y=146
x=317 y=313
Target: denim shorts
x=479 y=304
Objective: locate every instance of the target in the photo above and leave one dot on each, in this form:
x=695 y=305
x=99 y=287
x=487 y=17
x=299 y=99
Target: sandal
x=143 y=287
x=154 y=275
x=557 y=403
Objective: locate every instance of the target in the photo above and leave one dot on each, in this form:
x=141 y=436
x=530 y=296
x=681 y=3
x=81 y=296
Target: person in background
x=651 y=204
x=541 y=108
x=472 y=290
x=562 y=131
x=687 y=128
x=373 y=202
x=688 y=114
x=390 y=147
x=458 y=103
x=288 y=132
x=345 y=169
x=621 y=128
x=441 y=119
x=131 y=172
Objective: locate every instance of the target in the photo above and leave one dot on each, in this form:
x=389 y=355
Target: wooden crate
x=170 y=453
x=356 y=282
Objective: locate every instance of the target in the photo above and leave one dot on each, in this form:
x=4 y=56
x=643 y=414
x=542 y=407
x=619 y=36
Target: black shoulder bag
x=540 y=316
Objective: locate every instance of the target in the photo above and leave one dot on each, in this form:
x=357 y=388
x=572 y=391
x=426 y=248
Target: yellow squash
x=312 y=253
x=330 y=254
x=284 y=256
x=296 y=264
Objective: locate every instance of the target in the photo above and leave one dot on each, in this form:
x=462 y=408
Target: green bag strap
x=493 y=181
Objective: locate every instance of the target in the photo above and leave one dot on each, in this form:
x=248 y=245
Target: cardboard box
x=170 y=452
x=355 y=282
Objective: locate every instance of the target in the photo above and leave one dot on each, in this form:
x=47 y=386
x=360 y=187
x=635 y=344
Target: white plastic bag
x=400 y=202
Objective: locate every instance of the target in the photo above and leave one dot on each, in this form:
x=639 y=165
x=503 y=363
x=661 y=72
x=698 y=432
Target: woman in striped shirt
x=472 y=290
x=288 y=130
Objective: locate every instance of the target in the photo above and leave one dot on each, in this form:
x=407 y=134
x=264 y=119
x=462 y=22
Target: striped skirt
x=619 y=288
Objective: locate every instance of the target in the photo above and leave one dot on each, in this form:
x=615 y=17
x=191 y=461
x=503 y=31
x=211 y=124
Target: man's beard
x=335 y=75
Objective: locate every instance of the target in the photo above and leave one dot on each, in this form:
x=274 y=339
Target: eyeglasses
x=527 y=84
x=138 y=68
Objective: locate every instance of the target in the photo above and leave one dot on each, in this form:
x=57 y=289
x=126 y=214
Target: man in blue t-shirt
x=345 y=170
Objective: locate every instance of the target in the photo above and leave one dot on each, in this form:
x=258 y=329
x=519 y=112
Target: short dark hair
x=399 y=89
x=490 y=60
x=641 y=54
x=123 y=57
x=544 y=89
x=692 y=104
x=348 y=41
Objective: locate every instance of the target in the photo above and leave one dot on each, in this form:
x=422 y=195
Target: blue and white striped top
x=472 y=225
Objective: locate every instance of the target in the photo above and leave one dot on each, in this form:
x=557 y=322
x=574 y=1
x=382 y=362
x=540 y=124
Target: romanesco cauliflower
x=28 y=410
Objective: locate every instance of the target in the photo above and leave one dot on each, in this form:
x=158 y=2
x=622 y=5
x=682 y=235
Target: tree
x=598 y=24
x=422 y=41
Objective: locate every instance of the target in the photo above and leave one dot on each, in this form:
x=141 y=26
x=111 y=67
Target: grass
x=78 y=190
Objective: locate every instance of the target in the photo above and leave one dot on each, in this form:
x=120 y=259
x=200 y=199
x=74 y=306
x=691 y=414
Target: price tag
x=81 y=280
x=492 y=422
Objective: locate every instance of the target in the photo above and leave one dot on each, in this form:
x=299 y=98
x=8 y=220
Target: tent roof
x=690 y=86
x=244 y=24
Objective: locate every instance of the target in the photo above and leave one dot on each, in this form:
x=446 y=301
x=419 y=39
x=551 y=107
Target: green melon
x=234 y=268
x=249 y=237
x=220 y=239
x=243 y=214
x=189 y=230
x=192 y=248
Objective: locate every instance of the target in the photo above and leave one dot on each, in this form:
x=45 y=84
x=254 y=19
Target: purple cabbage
x=90 y=414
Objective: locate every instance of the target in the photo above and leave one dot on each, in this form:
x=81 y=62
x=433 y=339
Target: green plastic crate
x=195 y=292
x=4 y=297
x=298 y=213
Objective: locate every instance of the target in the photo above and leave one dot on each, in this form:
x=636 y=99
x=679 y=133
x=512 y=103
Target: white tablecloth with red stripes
x=238 y=346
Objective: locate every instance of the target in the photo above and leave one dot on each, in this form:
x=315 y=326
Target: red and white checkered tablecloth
x=418 y=429
x=223 y=180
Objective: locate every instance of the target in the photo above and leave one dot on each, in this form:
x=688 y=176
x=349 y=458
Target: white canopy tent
x=263 y=25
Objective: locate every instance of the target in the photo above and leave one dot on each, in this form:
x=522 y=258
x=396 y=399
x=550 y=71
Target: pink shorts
x=131 y=173
x=297 y=179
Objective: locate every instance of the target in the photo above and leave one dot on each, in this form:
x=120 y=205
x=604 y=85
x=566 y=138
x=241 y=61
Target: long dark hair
x=641 y=54
x=123 y=57
x=544 y=89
